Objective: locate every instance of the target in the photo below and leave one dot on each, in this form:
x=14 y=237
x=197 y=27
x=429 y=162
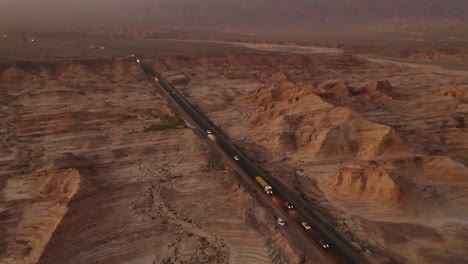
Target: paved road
x=339 y=251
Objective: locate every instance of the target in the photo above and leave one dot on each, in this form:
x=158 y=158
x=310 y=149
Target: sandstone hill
x=379 y=149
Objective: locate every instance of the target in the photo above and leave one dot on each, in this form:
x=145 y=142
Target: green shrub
x=169 y=122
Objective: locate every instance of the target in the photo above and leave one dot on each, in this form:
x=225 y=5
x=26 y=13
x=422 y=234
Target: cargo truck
x=266 y=187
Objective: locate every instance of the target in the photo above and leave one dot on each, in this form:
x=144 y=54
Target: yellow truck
x=266 y=187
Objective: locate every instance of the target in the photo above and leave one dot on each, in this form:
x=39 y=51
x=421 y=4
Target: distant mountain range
x=226 y=13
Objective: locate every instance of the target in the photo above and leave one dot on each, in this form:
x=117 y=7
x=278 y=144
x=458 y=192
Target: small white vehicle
x=324 y=244
x=288 y=205
x=280 y=221
x=235 y=158
x=156 y=78
x=132 y=55
x=208 y=131
x=138 y=60
x=306 y=225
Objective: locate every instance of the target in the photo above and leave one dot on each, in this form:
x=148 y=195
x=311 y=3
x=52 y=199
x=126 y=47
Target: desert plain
x=96 y=166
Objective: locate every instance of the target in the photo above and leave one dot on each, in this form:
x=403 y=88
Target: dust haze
x=216 y=14
x=353 y=112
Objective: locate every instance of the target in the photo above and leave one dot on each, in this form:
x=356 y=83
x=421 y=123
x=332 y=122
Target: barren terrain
x=96 y=168
x=379 y=148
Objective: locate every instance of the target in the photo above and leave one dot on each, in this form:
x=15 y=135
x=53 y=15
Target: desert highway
x=338 y=251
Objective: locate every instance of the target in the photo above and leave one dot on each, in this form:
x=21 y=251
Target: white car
x=306 y=225
x=156 y=78
x=132 y=55
x=280 y=221
x=324 y=244
x=208 y=131
x=288 y=205
x=138 y=60
x=235 y=158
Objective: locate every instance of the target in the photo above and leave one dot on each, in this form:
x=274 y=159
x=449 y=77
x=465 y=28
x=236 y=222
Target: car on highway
x=138 y=60
x=324 y=244
x=288 y=205
x=306 y=225
x=235 y=158
x=208 y=131
x=280 y=221
x=156 y=78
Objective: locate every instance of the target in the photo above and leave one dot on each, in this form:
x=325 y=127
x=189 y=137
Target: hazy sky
x=225 y=13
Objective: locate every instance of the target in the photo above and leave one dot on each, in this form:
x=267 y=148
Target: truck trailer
x=266 y=187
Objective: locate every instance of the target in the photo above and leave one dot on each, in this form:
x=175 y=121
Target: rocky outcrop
x=368 y=185
x=457 y=92
x=382 y=87
x=339 y=91
x=338 y=88
x=298 y=119
x=44 y=197
x=346 y=134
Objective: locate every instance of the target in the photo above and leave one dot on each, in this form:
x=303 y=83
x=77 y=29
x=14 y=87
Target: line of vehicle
x=273 y=190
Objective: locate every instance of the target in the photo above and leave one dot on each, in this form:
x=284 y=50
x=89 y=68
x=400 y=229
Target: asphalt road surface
x=338 y=251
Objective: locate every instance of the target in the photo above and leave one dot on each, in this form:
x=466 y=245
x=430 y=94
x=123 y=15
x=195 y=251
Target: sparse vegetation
x=170 y=122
